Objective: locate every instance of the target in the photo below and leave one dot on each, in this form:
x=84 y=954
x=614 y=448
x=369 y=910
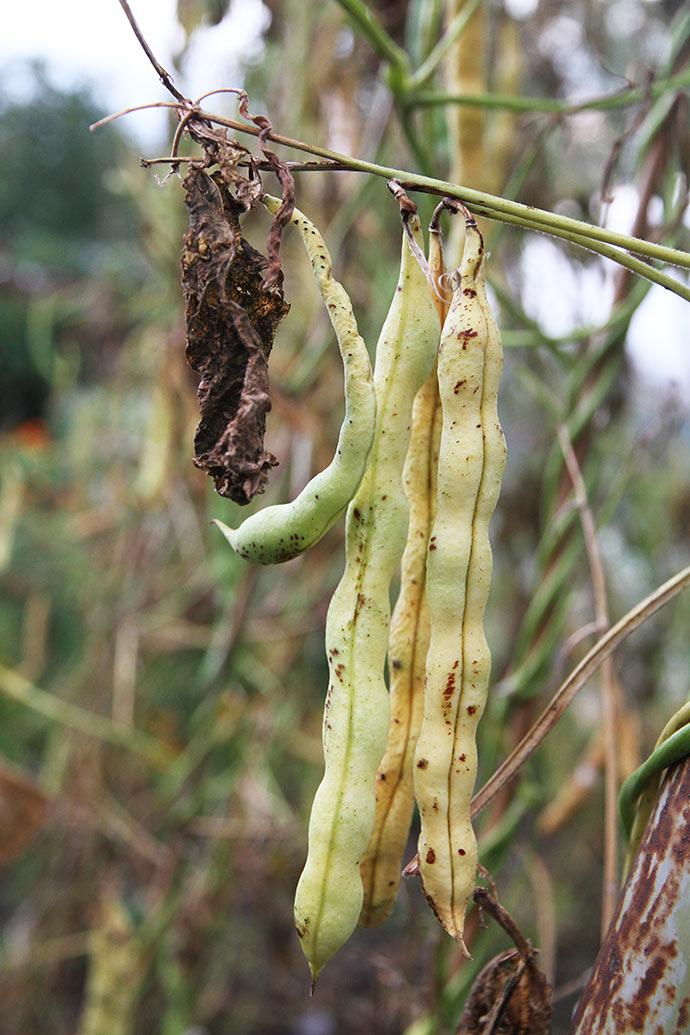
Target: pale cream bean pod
x=408 y=643
x=329 y=894
x=281 y=532
x=471 y=461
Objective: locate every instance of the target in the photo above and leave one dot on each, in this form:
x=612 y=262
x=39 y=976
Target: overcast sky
x=89 y=42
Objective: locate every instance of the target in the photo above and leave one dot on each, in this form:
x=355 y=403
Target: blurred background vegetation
x=160 y=699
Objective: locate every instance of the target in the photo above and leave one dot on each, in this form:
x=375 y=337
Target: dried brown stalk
x=601 y=610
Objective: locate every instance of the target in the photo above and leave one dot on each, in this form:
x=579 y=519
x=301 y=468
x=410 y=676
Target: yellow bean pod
x=408 y=643
x=281 y=532
x=329 y=894
x=471 y=462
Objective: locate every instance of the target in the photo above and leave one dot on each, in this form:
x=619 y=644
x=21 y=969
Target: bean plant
x=202 y=752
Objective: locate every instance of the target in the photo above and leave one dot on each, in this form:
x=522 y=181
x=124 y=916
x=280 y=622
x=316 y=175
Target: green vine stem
x=436 y=56
x=481 y=203
x=506 y=102
x=607 y=251
x=669 y=752
x=379 y=40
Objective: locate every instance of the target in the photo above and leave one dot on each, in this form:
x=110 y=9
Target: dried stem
x=164 y=76
x=490 y=904
x=610 y=884
x=578 y=678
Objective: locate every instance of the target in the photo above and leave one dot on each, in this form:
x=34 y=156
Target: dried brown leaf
x=511 y=996
x=231 y=323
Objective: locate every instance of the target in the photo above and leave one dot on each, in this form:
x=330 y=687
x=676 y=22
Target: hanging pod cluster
x=418 y=466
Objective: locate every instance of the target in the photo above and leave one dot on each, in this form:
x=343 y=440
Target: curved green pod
x=281 y=532
x=329 y=895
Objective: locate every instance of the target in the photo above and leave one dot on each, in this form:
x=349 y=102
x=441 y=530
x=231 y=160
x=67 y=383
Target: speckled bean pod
x=329 y=894
x=471 y=462
x=408 y=643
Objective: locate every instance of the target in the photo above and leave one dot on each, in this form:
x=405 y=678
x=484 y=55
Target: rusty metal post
x=641 y=980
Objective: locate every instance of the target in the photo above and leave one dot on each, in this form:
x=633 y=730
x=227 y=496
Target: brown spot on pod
x=461 y=851
x=471 y=709
x=432 y=906
x=470 y=292
x=458 y=385
x=431 y=856
x=423 y=763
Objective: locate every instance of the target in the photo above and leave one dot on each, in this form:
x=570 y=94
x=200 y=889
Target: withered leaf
x=231 y=323
x=511 y=996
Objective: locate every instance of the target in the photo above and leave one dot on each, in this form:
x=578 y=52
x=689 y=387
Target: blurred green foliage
x=120 y=600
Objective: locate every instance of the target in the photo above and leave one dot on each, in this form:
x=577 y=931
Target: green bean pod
x=281 y=532
x=408 y=642
x=329 y=894
x=471 y=462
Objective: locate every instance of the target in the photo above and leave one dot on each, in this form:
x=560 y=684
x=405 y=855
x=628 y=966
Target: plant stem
x=482 y=203
x=672 y=750
x=508 y=102
x=601 y=611
x=436 y=56
x=578 y=678
x=607 y=251
x=372 y=30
